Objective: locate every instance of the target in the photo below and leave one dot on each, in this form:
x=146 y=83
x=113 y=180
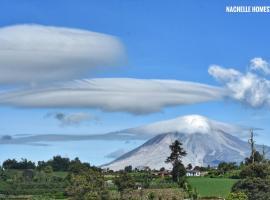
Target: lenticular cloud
x=34 y=53
x=137 y=96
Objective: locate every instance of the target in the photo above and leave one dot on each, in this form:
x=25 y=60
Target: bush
x=254 y=188
x=237 y=196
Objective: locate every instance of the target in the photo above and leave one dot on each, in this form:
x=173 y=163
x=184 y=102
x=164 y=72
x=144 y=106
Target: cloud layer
x=34 y=53
x=137 y=96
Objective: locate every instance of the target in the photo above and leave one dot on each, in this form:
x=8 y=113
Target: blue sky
x=176 y=40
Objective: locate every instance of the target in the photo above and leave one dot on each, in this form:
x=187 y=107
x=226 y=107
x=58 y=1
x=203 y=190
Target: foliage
x=59 y=164
x=224 y=167
x=76 y=166
x=258 y=158
x=255 y=170
x=189 y=167
x=14 y=164
x=128 y=169
x=87 y=185
x=124 y=182
x=237 y=196
x=151 y=196
x=177 y=152
x=254 y=188
x=178 y=173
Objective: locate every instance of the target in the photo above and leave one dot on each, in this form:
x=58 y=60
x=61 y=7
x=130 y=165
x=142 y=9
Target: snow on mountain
x=206 y=141
x=189 y=124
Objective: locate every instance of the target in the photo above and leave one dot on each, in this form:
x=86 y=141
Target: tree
x=76 y=166
x=10 y=164
x=255 y=171
x=189 y=167
x=14 y=164
x=59 y=164
x=224 y=167
x=128 y=169
x=179 y=173
x=177 y=152
x=258 y=158
x=124 y=182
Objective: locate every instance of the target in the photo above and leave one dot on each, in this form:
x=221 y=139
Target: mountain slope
x=206 y=142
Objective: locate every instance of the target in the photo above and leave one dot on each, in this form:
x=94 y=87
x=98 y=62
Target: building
x=193 y=173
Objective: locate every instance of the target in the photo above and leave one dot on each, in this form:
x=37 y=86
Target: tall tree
x=175 y=158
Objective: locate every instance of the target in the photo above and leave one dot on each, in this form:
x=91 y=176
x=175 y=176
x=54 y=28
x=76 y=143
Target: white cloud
x=72 y=118
x=248 y=88
x=34 y=53
x=223 y=74
x=259 y=64
x=137 y=96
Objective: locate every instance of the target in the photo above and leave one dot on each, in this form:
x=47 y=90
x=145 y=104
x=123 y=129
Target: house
x=193 y=173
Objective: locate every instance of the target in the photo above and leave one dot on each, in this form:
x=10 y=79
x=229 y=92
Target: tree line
x=57 y=163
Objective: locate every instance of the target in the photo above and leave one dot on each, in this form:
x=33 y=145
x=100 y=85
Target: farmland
x=212 y=187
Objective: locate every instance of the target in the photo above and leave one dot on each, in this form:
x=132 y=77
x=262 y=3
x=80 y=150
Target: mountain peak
x=194 y=124
x=189 y=124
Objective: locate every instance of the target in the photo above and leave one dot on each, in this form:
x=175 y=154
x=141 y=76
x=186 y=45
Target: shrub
x=237 y=196
x=254 y=188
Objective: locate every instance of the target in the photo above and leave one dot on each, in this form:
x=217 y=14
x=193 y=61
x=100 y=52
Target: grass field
x=212 y=187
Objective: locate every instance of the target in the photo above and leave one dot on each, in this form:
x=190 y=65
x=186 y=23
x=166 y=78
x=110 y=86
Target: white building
x=193 y=173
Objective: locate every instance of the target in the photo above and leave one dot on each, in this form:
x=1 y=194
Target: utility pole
x=252 y=145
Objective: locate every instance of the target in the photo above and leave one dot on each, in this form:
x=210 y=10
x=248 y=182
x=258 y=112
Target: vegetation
x=62 y=178
x=212 y=187
x=237 y=196
x=124 y=182
x=178 y=170
x=255 y=176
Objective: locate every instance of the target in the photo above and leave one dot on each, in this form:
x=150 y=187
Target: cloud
x=6 y=137
x=44 y=139
x=32 y=53
x=248 y=88
x=259 y=64
x=142 y=133
x=223 y=74
x=116 y=154
x=137 y=96
x=72 y=118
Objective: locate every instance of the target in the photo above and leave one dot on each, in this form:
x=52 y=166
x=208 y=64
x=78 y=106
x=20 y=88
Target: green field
x=212 y=187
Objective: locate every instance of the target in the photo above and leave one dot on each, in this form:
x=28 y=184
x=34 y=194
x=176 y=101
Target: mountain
x=188 y=124
x=206 y=141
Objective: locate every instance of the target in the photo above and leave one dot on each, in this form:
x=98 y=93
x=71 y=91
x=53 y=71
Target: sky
x=93 y=67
